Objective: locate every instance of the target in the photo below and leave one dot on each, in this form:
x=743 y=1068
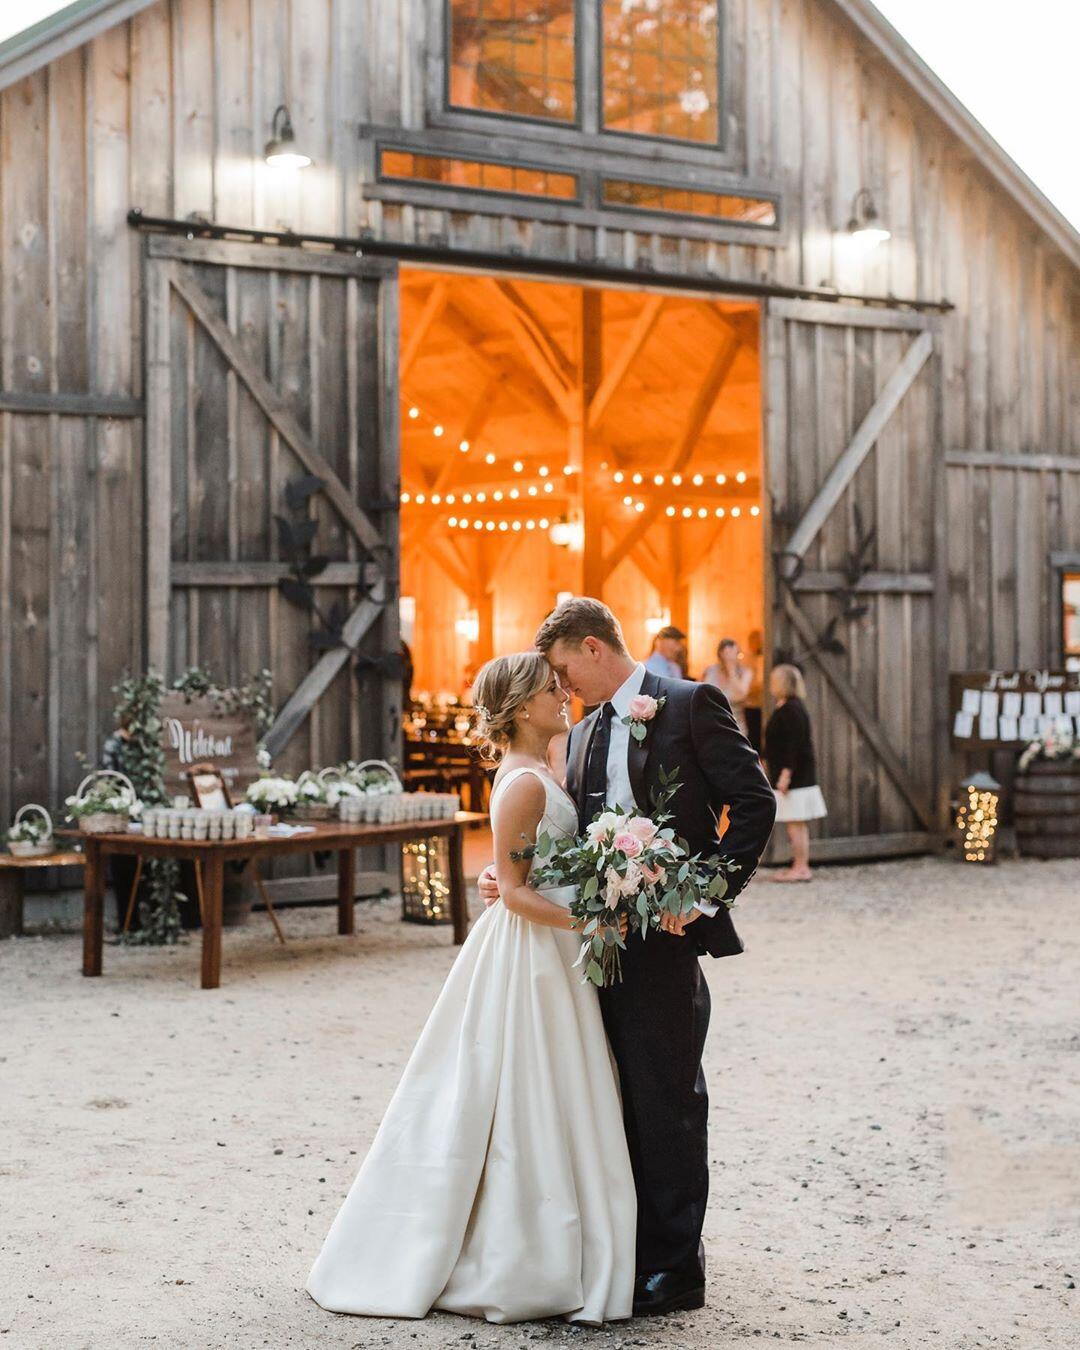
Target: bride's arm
x=521 y=807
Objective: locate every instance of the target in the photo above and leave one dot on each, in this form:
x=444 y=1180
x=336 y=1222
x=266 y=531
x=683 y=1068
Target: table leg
x=11 y=902
x=93 y=908
x=346 y=891
x=459 y=900
x=213 y=886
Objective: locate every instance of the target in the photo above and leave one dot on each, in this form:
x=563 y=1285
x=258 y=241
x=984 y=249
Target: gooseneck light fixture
x=865 y=223
x=281 y=150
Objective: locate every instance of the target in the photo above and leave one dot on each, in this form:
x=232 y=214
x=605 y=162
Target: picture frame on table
x=208 y=788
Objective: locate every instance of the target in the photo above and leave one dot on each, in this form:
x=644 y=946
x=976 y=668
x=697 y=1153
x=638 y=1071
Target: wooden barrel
x=1047 y=809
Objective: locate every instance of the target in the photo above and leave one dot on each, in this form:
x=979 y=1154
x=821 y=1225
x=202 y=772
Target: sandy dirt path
x=894 y=1069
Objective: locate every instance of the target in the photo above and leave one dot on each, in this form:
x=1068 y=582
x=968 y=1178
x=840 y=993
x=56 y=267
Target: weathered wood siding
x=169 y=111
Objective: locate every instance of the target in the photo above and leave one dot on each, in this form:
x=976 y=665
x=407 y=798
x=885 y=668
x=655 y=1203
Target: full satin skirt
x=499 y=1183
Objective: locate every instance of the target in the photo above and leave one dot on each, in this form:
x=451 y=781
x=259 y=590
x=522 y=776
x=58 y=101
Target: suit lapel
x=637 y=752
x=580 y=740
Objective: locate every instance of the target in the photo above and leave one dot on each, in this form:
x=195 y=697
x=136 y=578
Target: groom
x=656 y=1019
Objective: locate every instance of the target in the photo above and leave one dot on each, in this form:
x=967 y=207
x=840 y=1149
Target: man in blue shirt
x=662 y=659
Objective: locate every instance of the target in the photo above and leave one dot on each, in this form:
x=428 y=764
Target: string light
x=449 y=499
x=414 y=413
x=676 y=479
x=736 y=511
x=628 y=501
x=466 y=497
x=515 y=493
x=618 y=476
x=703 y=512
x=405 y=497
x=740 y=477
x=698 y=479
x=543 y=471
x=721 y=479
x=533 y=489
x=669 y=511
x=530 y=524
x=518 y=466
x=504 y=525
x=420 y=499
x=637 y=478
x=436 y=430
x=568 y=468
x=639 y=506
x=463 y=446
x=658 y=479
x=489 y=458
x=549 y=487
x=687 y=512
x=452 y=522
x=755 y=510
x=720 y=513
x=497 y=495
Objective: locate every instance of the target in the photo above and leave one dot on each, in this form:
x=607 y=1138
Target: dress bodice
x=559 y=820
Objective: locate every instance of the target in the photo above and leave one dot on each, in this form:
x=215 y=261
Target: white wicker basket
x=104 y=822
x=27 y=849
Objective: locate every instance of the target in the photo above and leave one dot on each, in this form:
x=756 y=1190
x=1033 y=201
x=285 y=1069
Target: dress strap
x=516 y=773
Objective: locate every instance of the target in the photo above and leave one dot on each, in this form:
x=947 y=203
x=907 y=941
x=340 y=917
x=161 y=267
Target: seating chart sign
x=1005 y=709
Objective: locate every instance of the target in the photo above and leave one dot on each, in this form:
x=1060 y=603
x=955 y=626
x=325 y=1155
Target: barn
x=725 y=310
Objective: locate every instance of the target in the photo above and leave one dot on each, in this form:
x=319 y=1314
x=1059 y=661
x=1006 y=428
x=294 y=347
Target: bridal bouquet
x=630 y=865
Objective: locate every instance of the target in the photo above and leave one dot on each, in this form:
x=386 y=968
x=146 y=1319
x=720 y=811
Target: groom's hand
x=487 y=885
x=676 y=924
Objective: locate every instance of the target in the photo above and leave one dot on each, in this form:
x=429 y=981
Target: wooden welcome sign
x=1005 y=709
x=196 y=731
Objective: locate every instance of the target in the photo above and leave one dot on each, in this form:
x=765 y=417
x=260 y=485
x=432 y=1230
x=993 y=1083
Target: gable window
x=661 y=68
x=646 y=68
x=514 y=57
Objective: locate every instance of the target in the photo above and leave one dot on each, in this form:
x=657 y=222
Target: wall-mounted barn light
x=865 y=223
x=281 y=150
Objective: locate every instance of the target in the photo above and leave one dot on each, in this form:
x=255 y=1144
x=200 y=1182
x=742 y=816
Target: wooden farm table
x=210 y=857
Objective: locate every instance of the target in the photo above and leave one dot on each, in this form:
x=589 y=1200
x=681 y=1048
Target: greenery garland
x=135 y=749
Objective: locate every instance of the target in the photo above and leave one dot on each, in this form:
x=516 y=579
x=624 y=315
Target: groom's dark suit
x=656 y=1019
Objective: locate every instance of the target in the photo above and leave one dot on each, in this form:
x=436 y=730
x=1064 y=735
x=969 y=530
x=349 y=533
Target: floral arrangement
x=370 y=778
x=105 y=798
x=318 y=794
x=273 y=793
x=631 y=866
x=1052 y=743
x=32 y=830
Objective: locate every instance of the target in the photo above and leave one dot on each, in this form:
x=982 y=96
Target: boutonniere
x=643 y=708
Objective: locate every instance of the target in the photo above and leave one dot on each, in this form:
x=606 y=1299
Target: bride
x=499 y=1183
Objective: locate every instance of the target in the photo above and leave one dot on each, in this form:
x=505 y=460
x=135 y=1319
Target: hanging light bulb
x=543 y=471
x=697 y=480
x=736 y=511
x=740 y=477
x=497 y=496
x=452 y=522
x=436 y=430
x=719 y=513
x=481 y=496
x=628 y=501
x=755 y=510
x=515 y=493
x=618 y=476
x=721 y=479
x=463 y=446
x=489 y=458
x=669 y=511
x=676 y=479
x=518 y=466
x=420 y=499
x=404 y=496
x=414 y=412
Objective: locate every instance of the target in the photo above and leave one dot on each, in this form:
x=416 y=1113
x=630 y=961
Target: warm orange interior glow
x=661 y=68
x=514 y=57
x=623 y=425
x=685 y=202
x=475 y=173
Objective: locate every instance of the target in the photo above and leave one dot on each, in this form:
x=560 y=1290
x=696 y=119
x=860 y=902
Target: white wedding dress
x=499 y=1183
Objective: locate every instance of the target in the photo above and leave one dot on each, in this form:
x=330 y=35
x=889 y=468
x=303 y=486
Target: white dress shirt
x=619 y=790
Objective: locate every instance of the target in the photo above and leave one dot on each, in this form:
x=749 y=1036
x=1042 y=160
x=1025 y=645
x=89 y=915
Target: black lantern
x=977 y=817
x=865 y=223
x=281 y=149
x=425 y=881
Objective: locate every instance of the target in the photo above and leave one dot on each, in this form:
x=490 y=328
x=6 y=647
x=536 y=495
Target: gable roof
x=78 y=23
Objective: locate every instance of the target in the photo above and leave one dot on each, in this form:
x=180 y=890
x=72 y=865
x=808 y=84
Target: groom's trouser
x=656 y=1021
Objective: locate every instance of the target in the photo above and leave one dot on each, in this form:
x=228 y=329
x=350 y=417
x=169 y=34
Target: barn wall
x=169 y=112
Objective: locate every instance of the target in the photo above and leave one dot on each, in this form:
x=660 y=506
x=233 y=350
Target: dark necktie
x=594 y=797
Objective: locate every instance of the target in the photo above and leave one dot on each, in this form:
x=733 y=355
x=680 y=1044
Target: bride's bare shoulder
x=520 y=799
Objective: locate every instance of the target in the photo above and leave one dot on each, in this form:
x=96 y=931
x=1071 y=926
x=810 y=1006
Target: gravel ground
x=895 y=1096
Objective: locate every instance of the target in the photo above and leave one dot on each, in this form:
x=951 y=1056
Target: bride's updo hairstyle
x=501 y=689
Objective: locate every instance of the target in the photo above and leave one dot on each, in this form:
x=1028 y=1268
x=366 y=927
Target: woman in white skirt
x=789 y=753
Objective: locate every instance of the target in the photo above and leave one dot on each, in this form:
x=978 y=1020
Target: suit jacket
x=696 y=733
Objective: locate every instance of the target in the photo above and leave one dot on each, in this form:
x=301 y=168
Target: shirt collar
x=620 y=699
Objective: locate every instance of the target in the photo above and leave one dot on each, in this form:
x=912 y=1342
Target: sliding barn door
x=854 y=468
x=271 y=398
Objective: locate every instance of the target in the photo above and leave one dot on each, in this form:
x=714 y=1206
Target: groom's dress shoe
x=668 y=1291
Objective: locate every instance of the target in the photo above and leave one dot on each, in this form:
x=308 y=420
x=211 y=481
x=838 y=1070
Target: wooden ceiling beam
x=706 y=396
x=520 y=381
x=429 y=315
x=537 y=346
x=636 y=339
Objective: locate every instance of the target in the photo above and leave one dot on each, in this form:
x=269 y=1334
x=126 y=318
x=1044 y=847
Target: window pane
x=661 y=68
x=484 y=175
x=1070 y=620
x=686 y=202
x=514 y=57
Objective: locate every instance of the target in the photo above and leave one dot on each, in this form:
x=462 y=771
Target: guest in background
x=663 y=660
x=733 y=678
x=789 y=753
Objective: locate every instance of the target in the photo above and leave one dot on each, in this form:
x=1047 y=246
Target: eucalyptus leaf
x=594 y=973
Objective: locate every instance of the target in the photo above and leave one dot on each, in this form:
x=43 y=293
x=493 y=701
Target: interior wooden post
x=677 y=592
x=585 y=449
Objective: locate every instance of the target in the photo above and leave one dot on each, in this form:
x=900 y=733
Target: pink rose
x=653 y=874
x=642 y=708
x=642 y=827
x=628 y=843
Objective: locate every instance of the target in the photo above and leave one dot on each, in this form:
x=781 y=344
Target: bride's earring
x=525 y=715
